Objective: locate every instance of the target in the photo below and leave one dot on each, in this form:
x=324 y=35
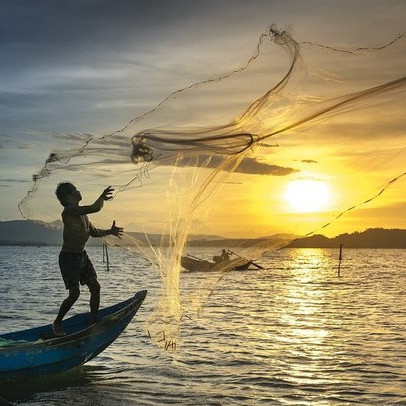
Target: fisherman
x=225 y=255
x=74 y=263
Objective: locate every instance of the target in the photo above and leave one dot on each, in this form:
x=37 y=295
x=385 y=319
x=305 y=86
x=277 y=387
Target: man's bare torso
x=76 y=232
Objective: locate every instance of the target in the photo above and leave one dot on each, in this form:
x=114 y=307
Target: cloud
x=11 y=180
x=248 y=166
x=10 y=142
x=82 y=31
x=253 y=167
x=309 y=161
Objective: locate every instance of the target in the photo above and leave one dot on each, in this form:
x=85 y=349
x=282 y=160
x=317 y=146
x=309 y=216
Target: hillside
x=22 y=232
x=25 y=233
x=370 y=238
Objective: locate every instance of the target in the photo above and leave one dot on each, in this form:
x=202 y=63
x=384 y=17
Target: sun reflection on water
x=302 y=303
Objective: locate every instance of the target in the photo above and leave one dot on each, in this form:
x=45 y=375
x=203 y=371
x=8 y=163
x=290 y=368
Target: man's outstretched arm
x=114 y=230
x=93 y=208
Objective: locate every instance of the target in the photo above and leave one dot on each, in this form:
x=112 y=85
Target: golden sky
x=87 y=79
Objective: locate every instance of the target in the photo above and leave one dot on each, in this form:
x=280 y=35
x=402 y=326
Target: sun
x=307 y=195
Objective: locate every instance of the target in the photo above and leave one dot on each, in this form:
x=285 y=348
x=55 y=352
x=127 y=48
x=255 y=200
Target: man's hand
x=107 y=193
x=117 y=231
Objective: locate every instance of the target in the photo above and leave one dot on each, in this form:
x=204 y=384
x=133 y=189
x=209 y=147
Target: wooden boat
x=36 y=351
x=200 y=265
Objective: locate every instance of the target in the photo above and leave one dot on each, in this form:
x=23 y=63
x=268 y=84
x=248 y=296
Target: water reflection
x=74 y=384
x=294 y=333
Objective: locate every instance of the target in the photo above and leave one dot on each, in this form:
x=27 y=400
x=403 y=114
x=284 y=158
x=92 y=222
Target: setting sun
x=307 y=195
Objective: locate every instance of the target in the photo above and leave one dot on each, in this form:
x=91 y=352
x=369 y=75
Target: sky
x=88 y=67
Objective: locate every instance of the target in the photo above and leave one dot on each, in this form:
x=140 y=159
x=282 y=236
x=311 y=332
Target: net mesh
x=203 y=157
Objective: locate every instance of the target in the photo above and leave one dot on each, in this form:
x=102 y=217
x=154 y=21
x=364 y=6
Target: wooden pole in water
x=107 y=258
x=340 y=257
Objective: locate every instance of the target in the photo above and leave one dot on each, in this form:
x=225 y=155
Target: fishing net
x=216 y=157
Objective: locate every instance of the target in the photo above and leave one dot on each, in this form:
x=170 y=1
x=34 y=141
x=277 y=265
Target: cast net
x=217 y=156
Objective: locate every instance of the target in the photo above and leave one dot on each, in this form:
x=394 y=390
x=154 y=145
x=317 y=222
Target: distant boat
x=201 y=265
x=36 y=351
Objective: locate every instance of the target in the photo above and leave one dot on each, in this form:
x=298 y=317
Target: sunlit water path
x=293 y=333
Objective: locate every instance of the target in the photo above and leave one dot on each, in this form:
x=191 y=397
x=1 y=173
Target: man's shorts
x=76 y=267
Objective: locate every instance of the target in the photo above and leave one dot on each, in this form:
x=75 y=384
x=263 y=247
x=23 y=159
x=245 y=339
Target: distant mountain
x=204 y=237
x=22 y=232
x=370 y=238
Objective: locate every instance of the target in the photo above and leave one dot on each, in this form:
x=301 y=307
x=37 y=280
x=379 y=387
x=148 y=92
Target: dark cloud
x=266 y=145
x=61 y=59
x=11 y=180
x=10 y=142
x=309 y=161
x=14 y=145
x=82 y=30
x=248 y=166
x=71 y=137
x=253 y=167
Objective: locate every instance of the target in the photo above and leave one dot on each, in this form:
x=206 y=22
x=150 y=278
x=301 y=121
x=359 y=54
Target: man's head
x=67 y=194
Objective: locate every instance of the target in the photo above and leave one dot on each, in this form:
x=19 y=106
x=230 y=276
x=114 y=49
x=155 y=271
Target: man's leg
x=74 y=293
x=94 y=289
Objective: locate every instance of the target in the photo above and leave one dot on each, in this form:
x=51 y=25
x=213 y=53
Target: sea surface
x=293 y=333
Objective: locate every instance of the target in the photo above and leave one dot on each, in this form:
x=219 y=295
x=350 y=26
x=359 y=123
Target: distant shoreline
x=24 y=244
x=24 y=233
x=196 y=245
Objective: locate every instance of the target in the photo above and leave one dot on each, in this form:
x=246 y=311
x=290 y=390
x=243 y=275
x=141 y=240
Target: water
x=291 y=334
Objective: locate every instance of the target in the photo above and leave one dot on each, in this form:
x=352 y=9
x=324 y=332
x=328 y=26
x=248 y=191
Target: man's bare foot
x=58 y=330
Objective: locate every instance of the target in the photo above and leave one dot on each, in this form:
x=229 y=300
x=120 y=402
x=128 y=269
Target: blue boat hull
x=36 y=352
